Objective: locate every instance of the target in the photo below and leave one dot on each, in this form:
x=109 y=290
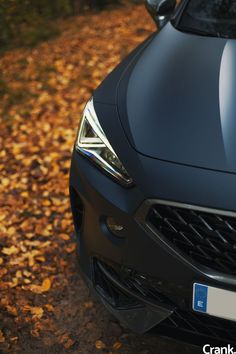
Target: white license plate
x=215 y=302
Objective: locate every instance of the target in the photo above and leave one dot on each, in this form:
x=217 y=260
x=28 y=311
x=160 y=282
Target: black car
x=153 y=177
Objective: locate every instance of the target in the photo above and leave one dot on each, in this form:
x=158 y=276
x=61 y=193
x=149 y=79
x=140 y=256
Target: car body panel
x=107 y=91
x=168 y=111
x=176 y=99
x=162 y=179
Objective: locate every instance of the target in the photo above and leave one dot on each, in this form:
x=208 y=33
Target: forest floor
x=44 y=305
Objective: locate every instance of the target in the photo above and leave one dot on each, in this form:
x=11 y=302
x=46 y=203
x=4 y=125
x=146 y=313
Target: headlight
x=92 y=142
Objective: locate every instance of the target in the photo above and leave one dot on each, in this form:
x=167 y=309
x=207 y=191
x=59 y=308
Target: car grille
x=197 y=325
x=207 y=238
x=138 y=286
x=108 y=290
x=185 y=325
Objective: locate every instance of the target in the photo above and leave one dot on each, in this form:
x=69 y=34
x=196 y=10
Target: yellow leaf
x=2 y=217
x=39 y=289
x=46 y=285
x=13 y=283
x=10 y=250
x=37 y=312
x=18 y=274
x=64 y=237
x=5 y=182
x=27 y=273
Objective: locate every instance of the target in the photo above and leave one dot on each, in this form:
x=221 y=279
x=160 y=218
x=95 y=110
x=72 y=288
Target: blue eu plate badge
x=200 y=294
x=214 y=301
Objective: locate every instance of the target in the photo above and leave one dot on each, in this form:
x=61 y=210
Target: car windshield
x=209 y=17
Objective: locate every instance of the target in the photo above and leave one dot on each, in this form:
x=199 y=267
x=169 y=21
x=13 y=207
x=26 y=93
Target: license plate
x=214 y=301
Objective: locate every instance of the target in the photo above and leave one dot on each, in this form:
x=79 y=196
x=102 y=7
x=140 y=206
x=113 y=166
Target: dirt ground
x=44 y=305
x=78 y=324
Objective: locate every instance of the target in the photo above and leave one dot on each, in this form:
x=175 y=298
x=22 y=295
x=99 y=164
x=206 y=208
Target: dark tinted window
x=210 y=17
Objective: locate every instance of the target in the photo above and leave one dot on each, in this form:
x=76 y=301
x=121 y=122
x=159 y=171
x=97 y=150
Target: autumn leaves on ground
x=44 y=306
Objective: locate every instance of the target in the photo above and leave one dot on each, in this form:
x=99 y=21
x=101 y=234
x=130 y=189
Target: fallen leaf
x=70 y=248
x=13 y=283
x=100 y=344
x=3 y=271
x=64 y=237
x=49 y=307
x=12 y=310
x=88 y=304
x=68 y=343
x=117 y=345
x=10 y=250
x=26 y=273
x=2 y=338
x=19 y=274
x=39 y=289
x=40 y=109
x=35 y=332
x=36 y=311
x=5 y=182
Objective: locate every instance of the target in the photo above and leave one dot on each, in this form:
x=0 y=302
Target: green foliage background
x=26 y=22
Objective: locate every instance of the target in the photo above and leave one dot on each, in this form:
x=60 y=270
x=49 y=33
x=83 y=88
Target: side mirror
x=160 y=10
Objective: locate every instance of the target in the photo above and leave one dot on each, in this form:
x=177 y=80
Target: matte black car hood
x=178 y=102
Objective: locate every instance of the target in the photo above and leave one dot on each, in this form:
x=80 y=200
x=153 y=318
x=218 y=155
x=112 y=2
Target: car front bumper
x=142 y=280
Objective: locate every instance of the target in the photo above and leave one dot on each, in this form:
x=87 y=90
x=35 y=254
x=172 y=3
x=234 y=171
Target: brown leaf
x=88 y=304
x=35 y=332
x=70 y=248
x=36 y=311
x=12 y=310
x=2 y=338
x=3 y=271
x=68 y=343
x=49 y=307
x=100 y=344
x=117 y=345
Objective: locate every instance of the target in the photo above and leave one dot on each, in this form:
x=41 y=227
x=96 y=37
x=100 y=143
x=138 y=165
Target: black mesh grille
x=181 y=324
x=108 y=290
x=201 y=326
x=208 y=239
x=136 y=283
